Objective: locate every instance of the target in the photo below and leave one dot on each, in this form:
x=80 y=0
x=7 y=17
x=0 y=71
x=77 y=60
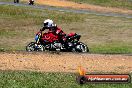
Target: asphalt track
x=67 y=10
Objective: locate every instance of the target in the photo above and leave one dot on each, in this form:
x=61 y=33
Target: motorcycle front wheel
x=31 y=47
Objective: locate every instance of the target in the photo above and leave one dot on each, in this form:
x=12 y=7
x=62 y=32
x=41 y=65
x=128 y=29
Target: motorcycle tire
x=31 y=47
x=81 y=47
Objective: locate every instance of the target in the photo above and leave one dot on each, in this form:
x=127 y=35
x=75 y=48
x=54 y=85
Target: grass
x=126 y=4
x=18 y=26
x=6 y=0
x=12 y=1
x=112 y=48
x=26 y=79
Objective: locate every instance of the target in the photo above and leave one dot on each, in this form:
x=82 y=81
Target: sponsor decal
x=102 y=78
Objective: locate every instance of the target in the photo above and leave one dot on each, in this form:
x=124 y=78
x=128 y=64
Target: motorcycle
x=31 y=2
x=50 y=42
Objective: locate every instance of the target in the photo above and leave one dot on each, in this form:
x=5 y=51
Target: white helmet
x=48 y=23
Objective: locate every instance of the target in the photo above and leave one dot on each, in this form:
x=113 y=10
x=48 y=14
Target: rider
x=49 y=24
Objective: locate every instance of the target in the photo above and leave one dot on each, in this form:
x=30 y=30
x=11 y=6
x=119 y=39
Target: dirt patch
x=69 y=4
x=65 y=62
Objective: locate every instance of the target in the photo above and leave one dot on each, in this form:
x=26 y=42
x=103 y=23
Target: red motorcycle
x=49 y=41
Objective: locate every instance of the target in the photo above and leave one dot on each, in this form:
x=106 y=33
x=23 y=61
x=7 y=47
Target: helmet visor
x=45 y=24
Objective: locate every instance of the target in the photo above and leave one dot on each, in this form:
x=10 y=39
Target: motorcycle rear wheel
x=81 y=47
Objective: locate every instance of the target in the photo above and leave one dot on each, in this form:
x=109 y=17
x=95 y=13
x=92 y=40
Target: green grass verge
x=26 y=79
x=127 y=4
x=6 y=0
x=111 y=49
x=20 y=1
x=18 y=26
